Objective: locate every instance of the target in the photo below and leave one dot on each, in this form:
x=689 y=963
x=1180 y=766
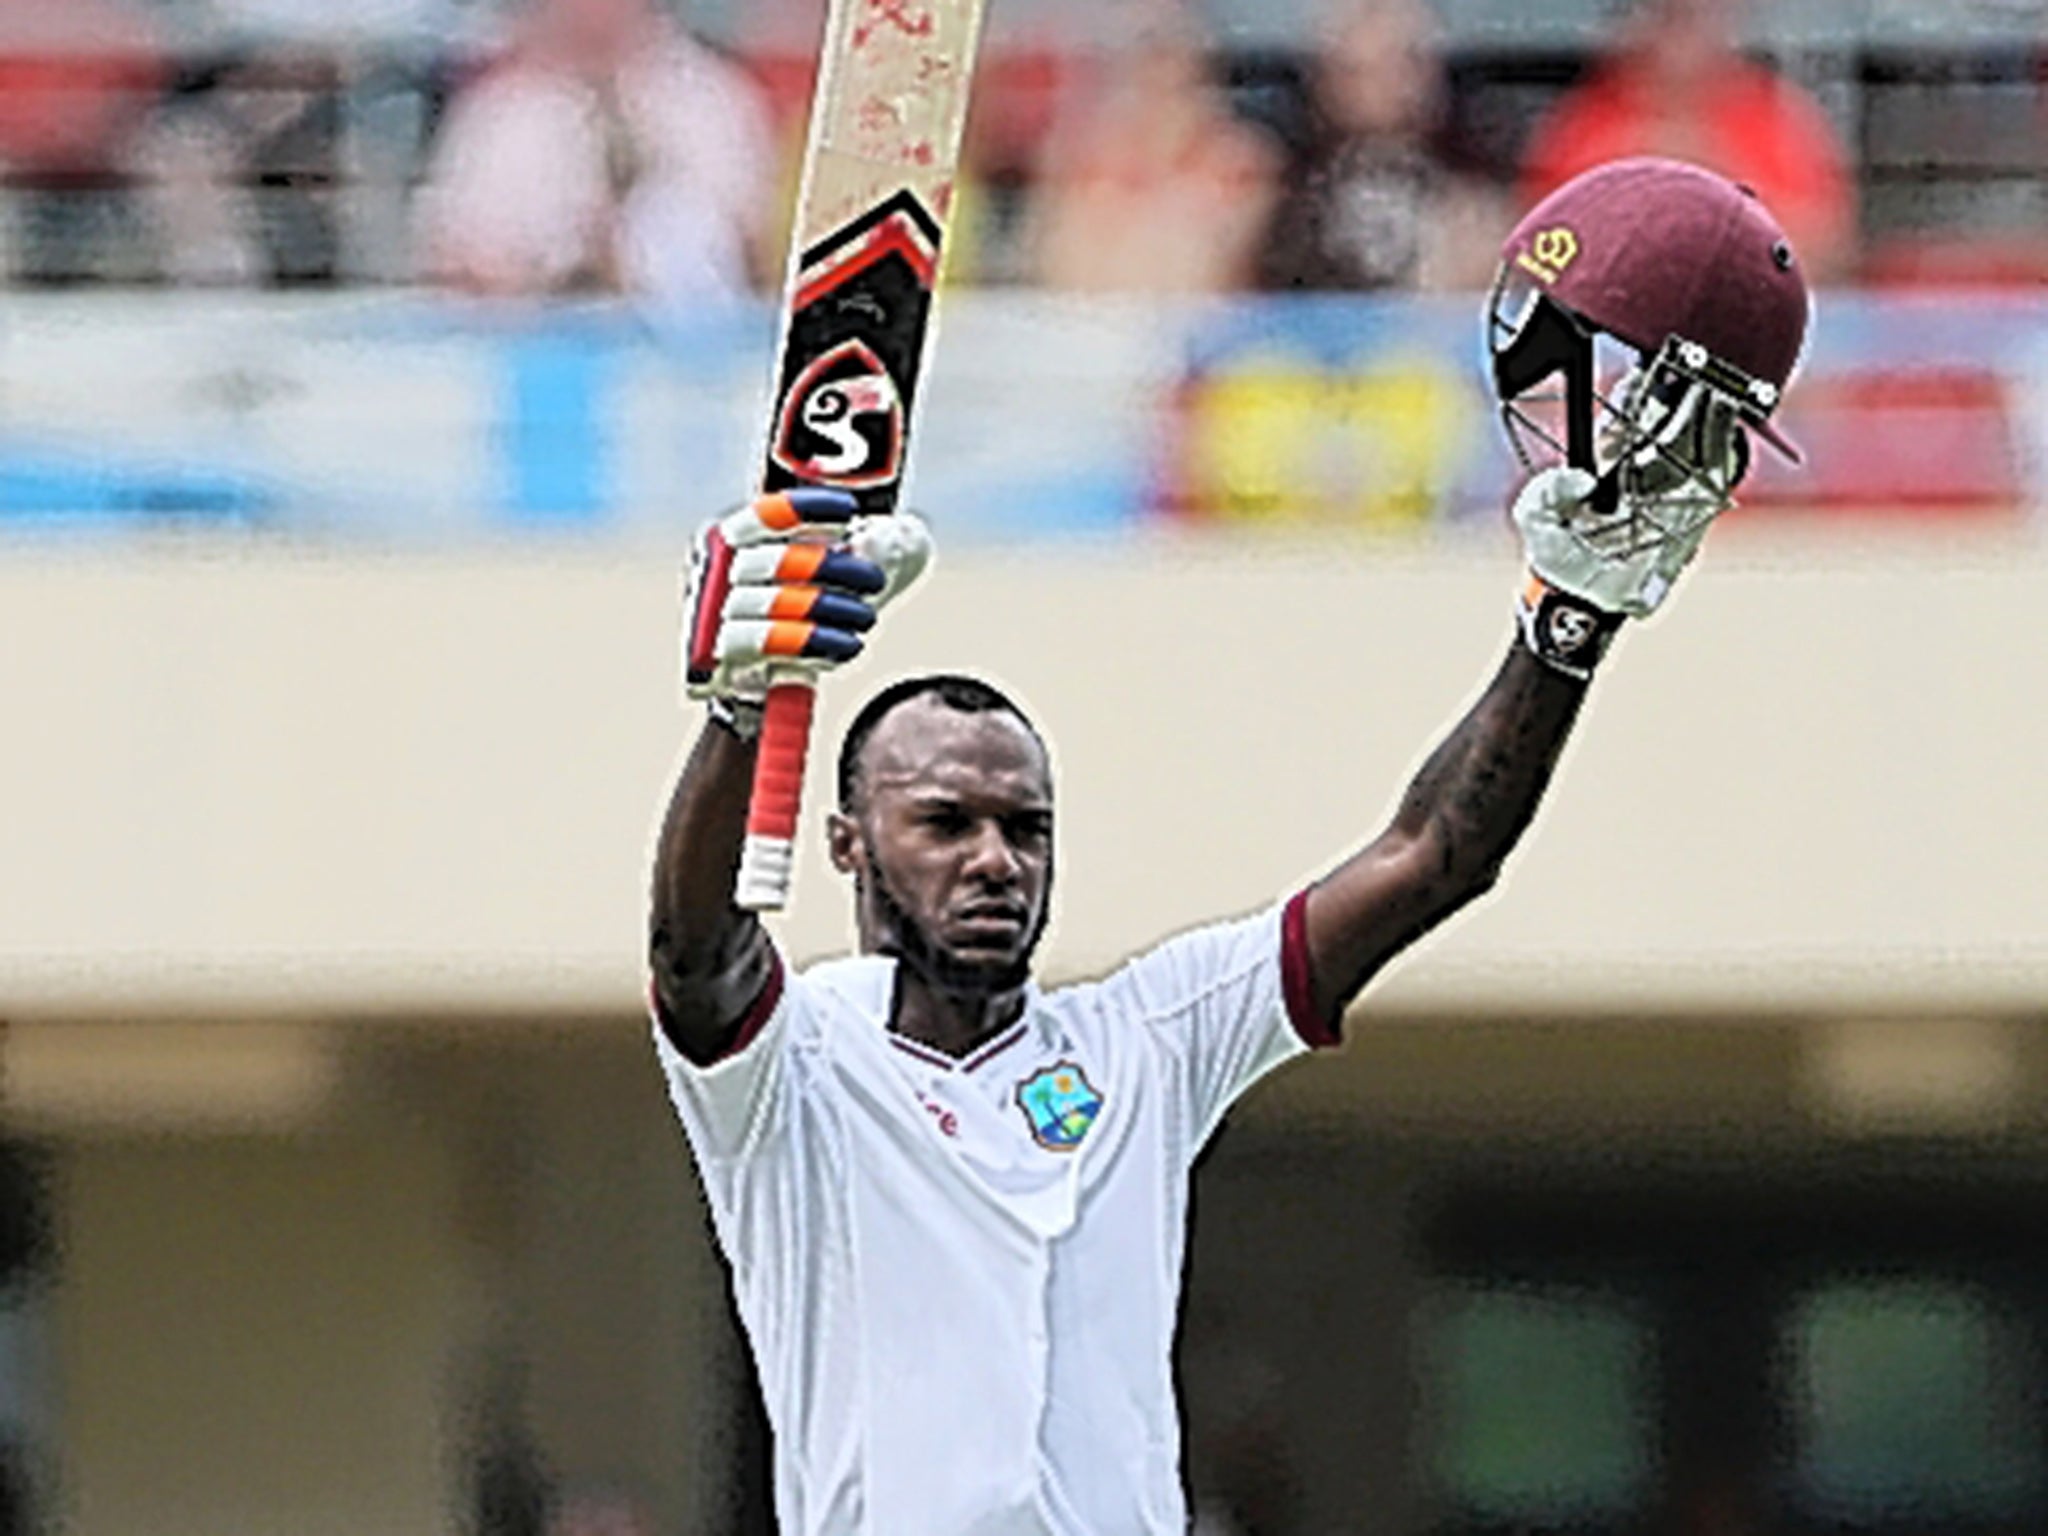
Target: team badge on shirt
x=1060 y=1104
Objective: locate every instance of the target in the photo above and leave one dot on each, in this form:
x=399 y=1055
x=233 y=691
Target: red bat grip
x=769 y=859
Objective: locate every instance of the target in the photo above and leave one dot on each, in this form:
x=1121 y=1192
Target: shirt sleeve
x=1225 y=1004
x=728 y=1105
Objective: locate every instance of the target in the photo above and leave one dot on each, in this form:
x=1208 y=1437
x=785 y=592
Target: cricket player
x=954 y=1203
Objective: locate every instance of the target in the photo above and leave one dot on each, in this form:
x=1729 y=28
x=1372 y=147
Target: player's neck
x=952 y=1023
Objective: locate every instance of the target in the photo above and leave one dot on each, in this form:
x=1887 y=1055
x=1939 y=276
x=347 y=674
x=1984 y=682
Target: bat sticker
x=843 y=421
x=862 y=303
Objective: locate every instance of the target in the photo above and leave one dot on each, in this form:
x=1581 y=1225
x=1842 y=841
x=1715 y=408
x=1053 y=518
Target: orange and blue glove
x=790 y=581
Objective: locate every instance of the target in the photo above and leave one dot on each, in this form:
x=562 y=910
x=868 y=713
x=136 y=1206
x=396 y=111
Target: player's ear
x=843 y=842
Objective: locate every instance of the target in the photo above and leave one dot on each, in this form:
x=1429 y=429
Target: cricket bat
x=871 y=218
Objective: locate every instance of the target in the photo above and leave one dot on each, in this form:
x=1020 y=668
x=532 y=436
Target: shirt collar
x=867 y=984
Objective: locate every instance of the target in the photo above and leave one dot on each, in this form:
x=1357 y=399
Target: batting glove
x=1576 y=597
x=789 y=581
x=1595 y=560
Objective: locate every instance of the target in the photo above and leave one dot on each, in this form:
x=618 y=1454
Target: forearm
x=1477 y=794
x=710 y=960
x=1456 y=825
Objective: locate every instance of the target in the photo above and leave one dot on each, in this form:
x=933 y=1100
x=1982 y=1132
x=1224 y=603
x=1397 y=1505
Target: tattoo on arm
x=1479 y=791
x=1457 y=823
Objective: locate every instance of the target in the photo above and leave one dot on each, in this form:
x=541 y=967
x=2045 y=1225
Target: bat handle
x=769 y=859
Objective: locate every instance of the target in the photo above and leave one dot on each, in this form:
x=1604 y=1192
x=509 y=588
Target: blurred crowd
x=598 y=146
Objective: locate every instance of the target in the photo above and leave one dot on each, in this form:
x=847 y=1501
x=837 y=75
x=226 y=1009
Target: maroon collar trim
x=923 y=1053
x=980 y=1058
x=995 y=1047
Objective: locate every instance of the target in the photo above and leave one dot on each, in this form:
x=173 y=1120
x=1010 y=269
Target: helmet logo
x=1549 y=253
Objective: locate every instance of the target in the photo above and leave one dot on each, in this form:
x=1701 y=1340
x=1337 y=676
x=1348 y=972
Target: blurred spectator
x=289 y=157
x=76 y=79
x=1677 y=85
x=193 y=167
x=1150 y=183
x=242 y=170
x=1379 y=196
x=608 y=152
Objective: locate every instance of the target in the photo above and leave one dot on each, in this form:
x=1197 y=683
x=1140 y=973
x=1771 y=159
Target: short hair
x=955 y=690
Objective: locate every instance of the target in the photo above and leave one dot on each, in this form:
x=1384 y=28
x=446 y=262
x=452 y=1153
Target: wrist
x=740 y=718
x=1564 y=632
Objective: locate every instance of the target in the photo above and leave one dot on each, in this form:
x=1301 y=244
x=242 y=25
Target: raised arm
x=768 y=583
x=1639 y=467
x=1479 y=791
x=1459 y=820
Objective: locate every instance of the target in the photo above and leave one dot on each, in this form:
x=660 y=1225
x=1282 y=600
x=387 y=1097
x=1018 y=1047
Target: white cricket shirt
x=960 y=1279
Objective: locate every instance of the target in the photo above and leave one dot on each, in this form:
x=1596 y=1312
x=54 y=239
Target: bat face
x=855 y=343
x=886 y=124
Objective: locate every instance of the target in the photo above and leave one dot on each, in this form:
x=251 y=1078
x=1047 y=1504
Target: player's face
x=952 y=847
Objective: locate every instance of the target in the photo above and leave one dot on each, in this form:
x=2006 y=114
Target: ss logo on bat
x=842 y=422
x=1571 y=630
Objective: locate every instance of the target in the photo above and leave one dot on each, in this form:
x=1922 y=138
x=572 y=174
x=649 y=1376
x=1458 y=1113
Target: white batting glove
x=791 y=580
x=1669 y=468
x=1576 y=596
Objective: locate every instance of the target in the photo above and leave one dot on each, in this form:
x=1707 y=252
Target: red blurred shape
x=2016 y=261
x=74 y=78
x=1908 y=440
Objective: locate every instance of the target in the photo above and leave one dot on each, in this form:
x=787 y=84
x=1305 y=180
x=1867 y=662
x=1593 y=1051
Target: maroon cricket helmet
x=1667 y=258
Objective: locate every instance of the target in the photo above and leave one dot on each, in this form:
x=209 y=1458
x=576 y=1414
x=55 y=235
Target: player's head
x=1647 y=318
x=945 y=823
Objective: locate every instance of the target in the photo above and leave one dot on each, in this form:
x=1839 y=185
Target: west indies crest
x=1059 y=1104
